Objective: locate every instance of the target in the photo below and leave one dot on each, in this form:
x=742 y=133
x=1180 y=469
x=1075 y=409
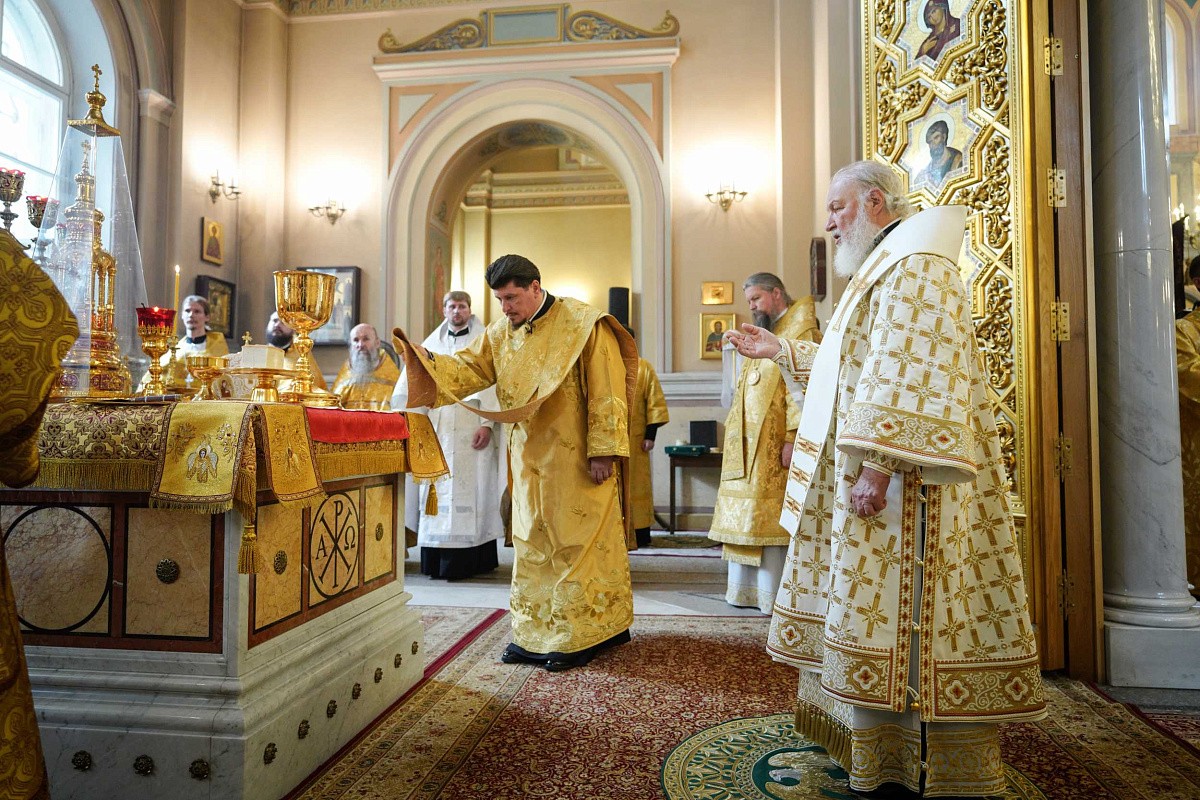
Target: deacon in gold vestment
x=368 y=377
x=198 y=340
x=36 y=331
x=564 y=375
x=649 y=413
x=1187 y=355
x=759 y=429
x=902 y=601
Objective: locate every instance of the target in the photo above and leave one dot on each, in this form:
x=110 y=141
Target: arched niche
x=420 y=166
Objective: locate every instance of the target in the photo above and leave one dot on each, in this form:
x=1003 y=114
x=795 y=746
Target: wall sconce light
x=725 y=196
x=217 y=189
x=332 y=211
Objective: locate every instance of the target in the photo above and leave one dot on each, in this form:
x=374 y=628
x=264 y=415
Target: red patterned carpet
x=477 y=729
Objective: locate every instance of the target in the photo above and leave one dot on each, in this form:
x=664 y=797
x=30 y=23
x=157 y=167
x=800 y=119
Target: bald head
x=364 y=348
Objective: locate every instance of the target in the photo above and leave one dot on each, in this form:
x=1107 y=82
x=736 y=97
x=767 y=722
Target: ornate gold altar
x=944 y=105
x=154 y=663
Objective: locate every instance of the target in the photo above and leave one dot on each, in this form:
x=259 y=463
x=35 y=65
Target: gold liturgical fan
x=97 y=267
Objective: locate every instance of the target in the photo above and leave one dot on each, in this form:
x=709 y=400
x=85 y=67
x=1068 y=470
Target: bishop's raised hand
x=754 y=342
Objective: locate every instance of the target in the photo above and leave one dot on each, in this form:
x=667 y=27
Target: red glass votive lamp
x=12 y=181
x=155 y=326
x=155 y=317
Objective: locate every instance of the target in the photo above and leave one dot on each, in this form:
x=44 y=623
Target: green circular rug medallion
x=763 y=758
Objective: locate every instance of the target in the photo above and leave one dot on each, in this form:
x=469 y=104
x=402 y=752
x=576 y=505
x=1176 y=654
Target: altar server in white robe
x=460 y=539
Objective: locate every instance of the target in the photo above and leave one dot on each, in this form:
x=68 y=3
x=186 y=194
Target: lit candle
x=176 y=304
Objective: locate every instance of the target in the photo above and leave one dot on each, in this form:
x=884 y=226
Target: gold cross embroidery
x=994 y=616
x=887 y=555
x=873 y=615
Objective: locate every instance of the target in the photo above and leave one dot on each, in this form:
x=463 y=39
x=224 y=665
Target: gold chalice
x=203 y=369
x=304 y=301
x=155 y=326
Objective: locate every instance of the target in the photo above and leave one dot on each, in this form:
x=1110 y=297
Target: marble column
x=1150 y=619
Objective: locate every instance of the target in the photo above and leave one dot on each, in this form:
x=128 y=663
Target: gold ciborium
x=203 y=369
x=304 y=301
x=155 y=326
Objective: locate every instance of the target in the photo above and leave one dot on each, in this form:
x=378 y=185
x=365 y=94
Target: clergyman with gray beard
x=758 y=449
x=368 y=376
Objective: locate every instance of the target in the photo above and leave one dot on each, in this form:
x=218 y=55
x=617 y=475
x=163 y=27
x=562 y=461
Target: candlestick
x=176 y=305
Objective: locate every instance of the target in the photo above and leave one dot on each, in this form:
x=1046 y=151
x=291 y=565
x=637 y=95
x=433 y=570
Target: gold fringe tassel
x=249 y=560
x=198 y=506
x=336 y=466
x=431 y=504
x=245 y=493
x=832 y=734
x=108 y=476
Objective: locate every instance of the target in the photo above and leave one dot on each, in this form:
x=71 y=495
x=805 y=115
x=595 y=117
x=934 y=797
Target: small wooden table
x=712 y=460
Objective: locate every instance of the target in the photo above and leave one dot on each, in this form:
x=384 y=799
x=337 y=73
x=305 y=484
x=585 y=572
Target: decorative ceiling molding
x=293 y=9
x=551 y=24
x=561 y=189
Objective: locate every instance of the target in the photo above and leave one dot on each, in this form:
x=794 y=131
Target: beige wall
x=581 y=252
x=207 y=50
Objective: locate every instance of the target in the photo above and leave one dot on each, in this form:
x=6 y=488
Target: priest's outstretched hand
x=754 y=342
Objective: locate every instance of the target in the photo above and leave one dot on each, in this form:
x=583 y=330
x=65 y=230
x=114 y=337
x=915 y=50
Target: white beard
x=856 y=244
x=363 y=365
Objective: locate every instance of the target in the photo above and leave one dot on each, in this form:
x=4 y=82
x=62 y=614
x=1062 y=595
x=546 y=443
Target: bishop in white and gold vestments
x=905 y=613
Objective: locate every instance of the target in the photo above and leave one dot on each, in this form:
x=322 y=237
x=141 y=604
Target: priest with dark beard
x=368 y=377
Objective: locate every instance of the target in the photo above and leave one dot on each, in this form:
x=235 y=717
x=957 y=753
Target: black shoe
x=513 y=654
x=561 y=662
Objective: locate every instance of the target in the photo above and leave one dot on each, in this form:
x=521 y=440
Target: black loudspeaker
x=703 y=431
x=618 y=304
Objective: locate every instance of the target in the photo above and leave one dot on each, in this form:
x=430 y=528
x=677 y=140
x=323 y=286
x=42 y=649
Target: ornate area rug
x=689 y=710
x=479 y=729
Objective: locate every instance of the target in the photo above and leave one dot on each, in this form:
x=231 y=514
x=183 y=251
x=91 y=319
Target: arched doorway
x=421 y=176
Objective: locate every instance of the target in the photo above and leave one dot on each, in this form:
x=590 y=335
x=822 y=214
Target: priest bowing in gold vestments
x=1187 y=356
x=758 y=448
x=564 y=374
x=36 y=331
x=902 y=600
x=649 y=413
x=368 y=377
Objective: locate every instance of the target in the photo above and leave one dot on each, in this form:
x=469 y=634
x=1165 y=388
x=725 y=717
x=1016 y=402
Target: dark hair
x=940 y=124
x=514 y=269
x=1194 y=269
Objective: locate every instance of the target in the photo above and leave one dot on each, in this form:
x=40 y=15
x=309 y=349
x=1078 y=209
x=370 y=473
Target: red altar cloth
x=337 y=426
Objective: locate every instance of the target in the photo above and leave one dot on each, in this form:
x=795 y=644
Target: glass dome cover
x=94 y=259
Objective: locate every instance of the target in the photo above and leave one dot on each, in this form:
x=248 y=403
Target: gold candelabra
x=304 y=301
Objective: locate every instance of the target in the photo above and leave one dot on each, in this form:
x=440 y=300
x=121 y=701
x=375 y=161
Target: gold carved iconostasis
x=944 y=106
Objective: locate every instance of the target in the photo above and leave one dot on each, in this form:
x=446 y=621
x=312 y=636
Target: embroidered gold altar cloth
x=214 y=456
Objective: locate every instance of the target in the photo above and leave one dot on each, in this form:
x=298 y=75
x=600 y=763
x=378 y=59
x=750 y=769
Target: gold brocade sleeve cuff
x=888 y=465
